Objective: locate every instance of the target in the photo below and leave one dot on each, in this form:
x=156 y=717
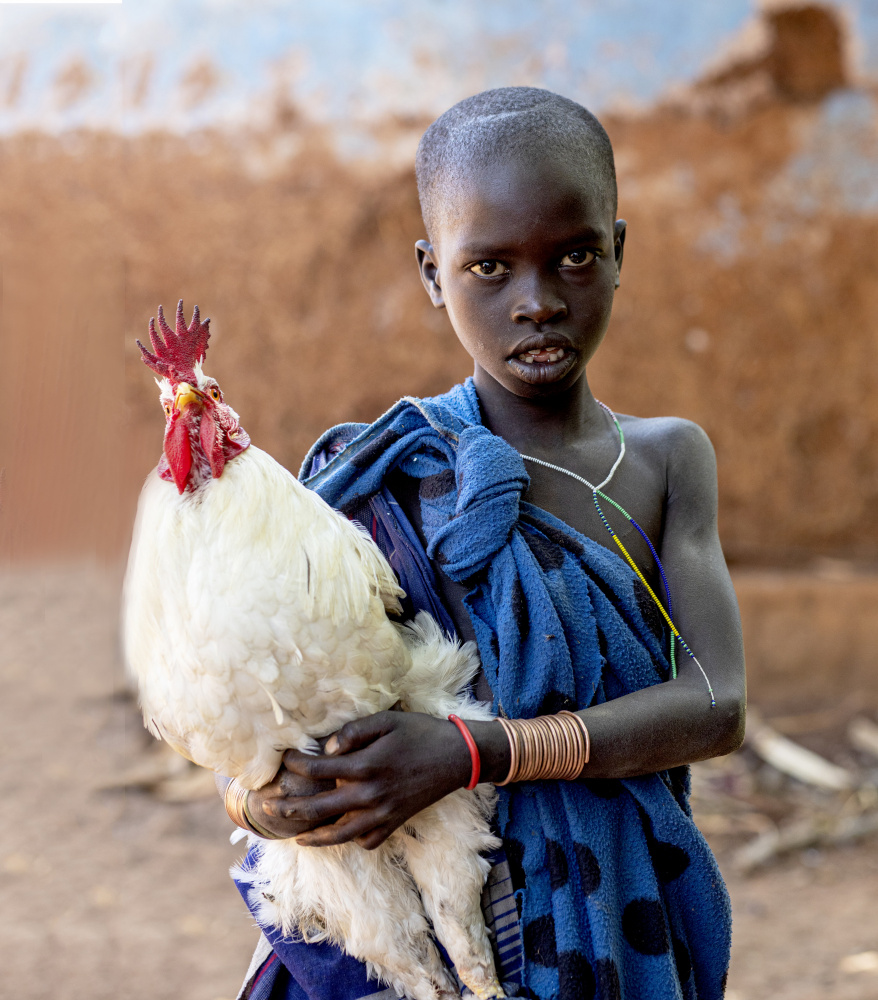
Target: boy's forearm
x=493 y=750
x=661 y=727
x=640 y=733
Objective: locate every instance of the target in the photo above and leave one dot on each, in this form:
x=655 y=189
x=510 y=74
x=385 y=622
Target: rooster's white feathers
x=255 y=620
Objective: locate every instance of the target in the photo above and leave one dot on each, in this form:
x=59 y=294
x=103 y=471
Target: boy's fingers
x=358 y=734
x=352 y=736
x=324 y=805
x=348 y=828
x=329 y=768
x=373 y=839
x=291 y=785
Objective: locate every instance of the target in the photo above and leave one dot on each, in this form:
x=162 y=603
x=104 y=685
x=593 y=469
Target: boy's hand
x=267 y=805
x=377 y=773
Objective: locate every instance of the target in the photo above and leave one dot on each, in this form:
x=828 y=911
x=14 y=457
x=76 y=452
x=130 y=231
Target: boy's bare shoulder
x=664 y=434
x=680 y=447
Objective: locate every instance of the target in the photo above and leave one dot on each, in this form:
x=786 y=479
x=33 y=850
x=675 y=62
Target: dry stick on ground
x=863 y=734
x=823 y=828
x=813 y=831
x=794 y=760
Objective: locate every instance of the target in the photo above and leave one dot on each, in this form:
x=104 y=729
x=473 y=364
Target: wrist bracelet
x=549 y=746
x=235 y=800
x=473 y=751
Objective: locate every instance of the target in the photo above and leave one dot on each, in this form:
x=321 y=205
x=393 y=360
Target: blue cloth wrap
x=620 y=896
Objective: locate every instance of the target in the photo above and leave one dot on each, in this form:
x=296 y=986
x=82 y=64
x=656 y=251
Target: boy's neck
x=544 y=423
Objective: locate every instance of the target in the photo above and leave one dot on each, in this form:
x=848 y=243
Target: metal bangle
x=581 y=723
x=235 y=800
x=512 y=736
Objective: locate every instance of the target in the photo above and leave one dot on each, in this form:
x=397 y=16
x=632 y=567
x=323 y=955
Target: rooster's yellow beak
x=185 y=394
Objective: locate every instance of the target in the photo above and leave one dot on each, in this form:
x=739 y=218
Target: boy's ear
x=429 y=270
x=619 y=231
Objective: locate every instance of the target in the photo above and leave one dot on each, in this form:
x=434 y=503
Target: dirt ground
x=104 y=894
x=113 y=894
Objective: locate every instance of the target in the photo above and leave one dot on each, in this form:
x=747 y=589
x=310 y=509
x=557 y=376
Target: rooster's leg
x=443 y=853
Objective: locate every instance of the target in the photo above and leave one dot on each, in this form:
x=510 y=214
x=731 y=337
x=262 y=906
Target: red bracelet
x=473 y=751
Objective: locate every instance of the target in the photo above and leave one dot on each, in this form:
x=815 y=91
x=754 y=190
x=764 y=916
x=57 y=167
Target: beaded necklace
x=597 y=491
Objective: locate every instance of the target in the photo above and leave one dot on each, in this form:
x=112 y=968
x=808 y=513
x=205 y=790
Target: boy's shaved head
x=510 y=122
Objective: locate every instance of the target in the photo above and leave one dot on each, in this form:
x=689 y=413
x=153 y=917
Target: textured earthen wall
x=738 y=309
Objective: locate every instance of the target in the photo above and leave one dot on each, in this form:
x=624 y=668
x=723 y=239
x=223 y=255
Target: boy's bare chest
x=638 y=488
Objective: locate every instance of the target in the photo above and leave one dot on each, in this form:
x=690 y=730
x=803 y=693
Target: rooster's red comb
x=175 y=356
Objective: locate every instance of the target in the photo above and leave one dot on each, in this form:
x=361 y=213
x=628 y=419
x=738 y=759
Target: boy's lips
x=542 y=358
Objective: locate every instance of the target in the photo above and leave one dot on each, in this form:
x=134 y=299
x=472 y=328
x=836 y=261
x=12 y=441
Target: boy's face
x=526 y=260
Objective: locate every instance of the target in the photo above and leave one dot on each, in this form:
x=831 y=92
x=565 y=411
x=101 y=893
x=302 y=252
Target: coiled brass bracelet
x=549 y=746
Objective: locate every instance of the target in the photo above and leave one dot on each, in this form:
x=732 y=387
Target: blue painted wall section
x=837 y=166
x=183 y=64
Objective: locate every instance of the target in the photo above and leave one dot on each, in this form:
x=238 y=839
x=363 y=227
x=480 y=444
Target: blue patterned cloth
x=620 y=896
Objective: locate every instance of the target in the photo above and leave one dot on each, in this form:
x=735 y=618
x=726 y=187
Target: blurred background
x=256 y=158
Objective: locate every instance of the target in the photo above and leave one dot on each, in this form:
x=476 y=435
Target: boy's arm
x=673 y=723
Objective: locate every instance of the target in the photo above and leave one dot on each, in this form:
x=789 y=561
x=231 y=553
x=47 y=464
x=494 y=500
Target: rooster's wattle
x=255 y=620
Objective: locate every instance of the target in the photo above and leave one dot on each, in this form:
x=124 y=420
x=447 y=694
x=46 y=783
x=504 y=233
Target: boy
x=618 y=895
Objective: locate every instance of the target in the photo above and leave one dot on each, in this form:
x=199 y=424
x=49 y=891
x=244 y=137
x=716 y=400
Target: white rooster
x=255 y=621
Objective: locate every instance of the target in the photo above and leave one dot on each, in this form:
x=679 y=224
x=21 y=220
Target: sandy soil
x=794 y=925
x=112 y=894
x=103 y=894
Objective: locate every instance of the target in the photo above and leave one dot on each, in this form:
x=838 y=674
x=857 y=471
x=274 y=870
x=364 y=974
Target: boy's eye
x=489 y=268
x=578 y=258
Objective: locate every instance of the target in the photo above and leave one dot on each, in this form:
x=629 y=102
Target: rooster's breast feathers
x=255 y=618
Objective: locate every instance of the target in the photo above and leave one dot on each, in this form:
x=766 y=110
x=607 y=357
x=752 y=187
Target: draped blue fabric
x=620 y=895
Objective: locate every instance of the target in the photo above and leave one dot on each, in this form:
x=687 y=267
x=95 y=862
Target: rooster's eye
x=167 y=409
x=215 y=392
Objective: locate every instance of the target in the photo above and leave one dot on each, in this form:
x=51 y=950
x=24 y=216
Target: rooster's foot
x=489 y=989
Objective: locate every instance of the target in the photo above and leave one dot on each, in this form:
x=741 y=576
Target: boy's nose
x=539 y=304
